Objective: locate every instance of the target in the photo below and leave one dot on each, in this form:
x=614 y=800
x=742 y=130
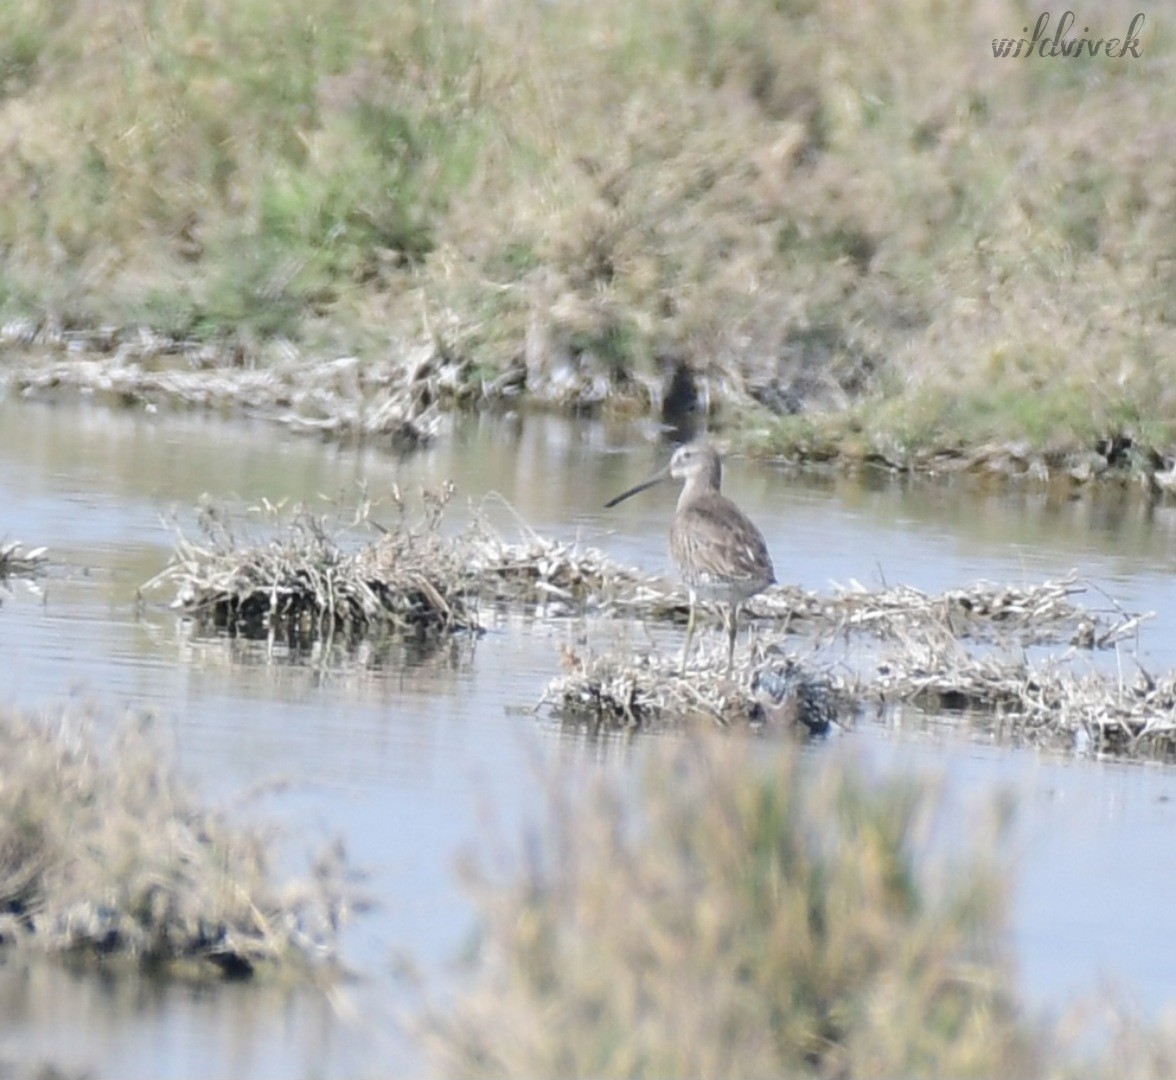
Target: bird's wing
x=712 y=539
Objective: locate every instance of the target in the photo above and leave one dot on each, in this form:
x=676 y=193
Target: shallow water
x=407 y=758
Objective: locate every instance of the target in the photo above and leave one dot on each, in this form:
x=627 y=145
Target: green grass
x=707 y=181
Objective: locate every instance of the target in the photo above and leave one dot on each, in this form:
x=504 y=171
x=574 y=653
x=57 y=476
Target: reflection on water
x=145 y=1027
x=405 y=756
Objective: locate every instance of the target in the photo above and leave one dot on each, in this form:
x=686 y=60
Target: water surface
x=407 y=758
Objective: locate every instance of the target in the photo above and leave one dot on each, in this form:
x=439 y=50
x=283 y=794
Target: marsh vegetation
x=900 y=249
x=1015 y=659
x=752 y=913
x=106 y=858
x=17 y=560
x=848 y=233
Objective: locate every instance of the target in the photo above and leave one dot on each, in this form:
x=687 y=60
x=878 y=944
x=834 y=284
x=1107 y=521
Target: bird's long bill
x=656 y=478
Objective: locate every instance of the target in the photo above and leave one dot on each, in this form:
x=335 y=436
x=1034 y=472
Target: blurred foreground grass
x=759 y=913
x=106 y=857
x=860 y=229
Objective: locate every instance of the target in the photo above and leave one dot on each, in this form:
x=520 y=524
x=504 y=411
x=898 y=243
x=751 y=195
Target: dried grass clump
x=1034 y=614
x=977 y=652
x=626 y=693
x=648 y=691
x=414 y=579
x=541 y=570
x=1039 y=703
x=965 y=651
x=104 y=855
x=15 y=561
x=305 y=585
x=745 y=918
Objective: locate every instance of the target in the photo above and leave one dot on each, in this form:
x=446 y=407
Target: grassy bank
x=756 y=914
x=854 y=222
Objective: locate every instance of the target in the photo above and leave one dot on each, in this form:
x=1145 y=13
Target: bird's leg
x=732 y=621
x=689 y=632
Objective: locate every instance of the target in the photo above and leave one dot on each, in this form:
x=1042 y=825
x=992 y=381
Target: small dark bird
x=720 y=554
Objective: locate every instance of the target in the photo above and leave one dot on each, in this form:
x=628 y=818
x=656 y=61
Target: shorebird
x=717 y=549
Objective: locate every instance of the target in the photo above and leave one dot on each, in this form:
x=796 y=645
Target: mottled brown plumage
x=719 y=552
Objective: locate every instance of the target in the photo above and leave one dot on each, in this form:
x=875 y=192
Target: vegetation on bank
x=850 y=223
x=757 y=913
x=106 y=858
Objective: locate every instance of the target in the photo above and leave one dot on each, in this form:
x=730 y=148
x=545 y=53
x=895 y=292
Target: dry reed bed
x=964 y=651
x=561 y=577
x=967 y=649
x=627 y=693
x=1035 y=614
x=1047 y=703
x=1118 y=459
x=305 y=584
x=413 y=580
x=104 y=855
x=406 y=399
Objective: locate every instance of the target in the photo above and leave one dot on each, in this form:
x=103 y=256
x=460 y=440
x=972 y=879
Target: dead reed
x=973 y=650
x=399 y=398
x=1035 y=614
x=967 y=652
x=15 y=561
x=1044 y=703
x=303 y=584
x=562 y=577
x=646 y=690
x=322 y=575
